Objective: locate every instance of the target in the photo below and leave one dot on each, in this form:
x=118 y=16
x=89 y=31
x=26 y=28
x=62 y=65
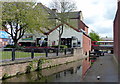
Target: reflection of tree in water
x=65 y=72
x=39 y=76
x=33 y=77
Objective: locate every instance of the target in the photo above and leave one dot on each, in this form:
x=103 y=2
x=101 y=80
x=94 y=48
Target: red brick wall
x=116 y=33
x=82 y=25
x=86 y=29
x=86 y=44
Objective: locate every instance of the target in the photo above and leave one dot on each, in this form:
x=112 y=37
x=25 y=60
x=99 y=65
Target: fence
x=26 y=53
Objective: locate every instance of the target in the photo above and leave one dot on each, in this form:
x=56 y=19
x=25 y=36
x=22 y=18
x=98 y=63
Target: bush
x=12 y=46
x=9 y=46
x=61 y=46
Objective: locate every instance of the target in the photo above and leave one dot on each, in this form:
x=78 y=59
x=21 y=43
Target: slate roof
x=55 y=15
x=48 y=10
x=71 y=15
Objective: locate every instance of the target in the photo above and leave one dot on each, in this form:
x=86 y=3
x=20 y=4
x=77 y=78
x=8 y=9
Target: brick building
x=116 y=33
x=75 y=32
x=86 y=39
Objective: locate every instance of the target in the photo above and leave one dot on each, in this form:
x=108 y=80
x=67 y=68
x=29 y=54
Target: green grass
x=18 y=54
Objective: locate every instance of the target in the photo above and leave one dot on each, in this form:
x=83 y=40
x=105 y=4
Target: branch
x=22 y=33
x=11 y=29
x=61 y=30
x=7 y=32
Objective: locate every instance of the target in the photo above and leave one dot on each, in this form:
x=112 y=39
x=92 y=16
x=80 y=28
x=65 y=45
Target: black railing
x=26 y=53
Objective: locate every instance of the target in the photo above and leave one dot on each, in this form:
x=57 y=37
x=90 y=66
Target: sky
x=98 y=14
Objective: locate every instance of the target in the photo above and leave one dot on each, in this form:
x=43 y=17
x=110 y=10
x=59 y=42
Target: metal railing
x=9 y=54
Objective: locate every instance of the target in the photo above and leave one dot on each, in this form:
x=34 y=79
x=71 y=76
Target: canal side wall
x=19 y=67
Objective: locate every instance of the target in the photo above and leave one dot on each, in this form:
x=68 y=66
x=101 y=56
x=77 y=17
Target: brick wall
x=86 y=48
x=15 y=67
x=82 y=25
x=116 y=33
x=86 y=45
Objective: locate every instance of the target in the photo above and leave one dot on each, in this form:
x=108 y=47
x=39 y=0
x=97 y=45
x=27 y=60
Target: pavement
x=105 y=67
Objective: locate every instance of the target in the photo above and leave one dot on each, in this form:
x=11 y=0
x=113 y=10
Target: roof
x=107 y=38
x=48 y=10
x=55 y=15
x=84 y=24
x=71 y=15
x=47 y=33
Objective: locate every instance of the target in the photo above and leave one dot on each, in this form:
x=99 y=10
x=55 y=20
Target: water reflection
x=71 y=72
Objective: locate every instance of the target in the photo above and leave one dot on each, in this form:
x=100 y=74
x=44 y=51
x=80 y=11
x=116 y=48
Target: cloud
x=104 y=28
x=99 y=15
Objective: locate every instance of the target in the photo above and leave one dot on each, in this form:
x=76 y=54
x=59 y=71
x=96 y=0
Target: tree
x=63 y=7
x=94 y=36
x=21 y=17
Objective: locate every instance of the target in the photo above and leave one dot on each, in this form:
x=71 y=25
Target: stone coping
x=30 y=60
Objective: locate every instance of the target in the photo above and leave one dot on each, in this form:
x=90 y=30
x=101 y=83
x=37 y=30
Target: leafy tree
x=94 y=36
x=63 y=7
x=21 y=17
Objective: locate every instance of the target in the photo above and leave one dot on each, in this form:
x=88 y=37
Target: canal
x=70 y=72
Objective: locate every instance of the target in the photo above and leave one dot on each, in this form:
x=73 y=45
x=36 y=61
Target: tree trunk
x=60 y=34
x=59 y=42
x=15 y=43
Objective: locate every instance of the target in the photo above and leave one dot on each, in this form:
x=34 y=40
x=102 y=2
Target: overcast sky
x=98 y=14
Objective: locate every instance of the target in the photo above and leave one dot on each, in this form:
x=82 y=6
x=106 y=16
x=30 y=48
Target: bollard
x=13 y=54
x=46 y=52
x=32 y=53
x=57 y=52
x=72 y=51
x=65 y=51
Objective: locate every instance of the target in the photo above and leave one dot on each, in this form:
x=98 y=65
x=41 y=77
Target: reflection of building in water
x=85 y=66
x=71 y=72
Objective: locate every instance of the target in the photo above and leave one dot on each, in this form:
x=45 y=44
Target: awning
x=3 y=34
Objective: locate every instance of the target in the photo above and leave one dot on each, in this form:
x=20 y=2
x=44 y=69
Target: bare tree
x=63 y=8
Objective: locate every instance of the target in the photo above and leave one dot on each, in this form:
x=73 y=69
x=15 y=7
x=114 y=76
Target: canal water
x=71 y=72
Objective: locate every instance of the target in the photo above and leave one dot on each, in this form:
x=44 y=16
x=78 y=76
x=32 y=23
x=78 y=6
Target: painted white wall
x=54 y=36
x=67 y=33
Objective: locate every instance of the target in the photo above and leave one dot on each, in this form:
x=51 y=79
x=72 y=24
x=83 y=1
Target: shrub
x=61 y=46
x=9 y=46
x=12 y=46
